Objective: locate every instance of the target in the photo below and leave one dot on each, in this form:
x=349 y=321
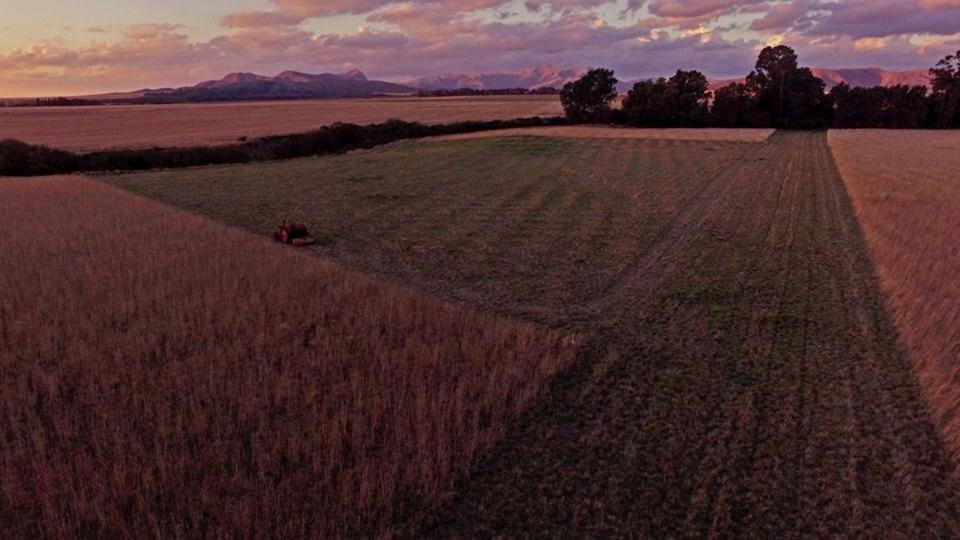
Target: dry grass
x=136 y=126
x=906 y=190
x=167 y=376
x=605 y=132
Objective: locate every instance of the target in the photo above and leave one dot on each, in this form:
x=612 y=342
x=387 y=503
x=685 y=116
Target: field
x=739 y=376
x=911 y=218
x=164 y=375
x=137 y=126
x=604 y=132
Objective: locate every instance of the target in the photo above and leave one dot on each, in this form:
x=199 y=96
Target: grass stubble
x=164 y=375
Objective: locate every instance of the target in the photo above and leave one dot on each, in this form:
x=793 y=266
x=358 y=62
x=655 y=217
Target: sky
x=75 y=47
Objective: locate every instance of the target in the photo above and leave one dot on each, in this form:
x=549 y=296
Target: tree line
x=18 y=158
x=777 y=93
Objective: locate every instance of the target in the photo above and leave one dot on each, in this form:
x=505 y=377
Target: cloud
x=260 y=19
x=408 y=38
x=321 y=8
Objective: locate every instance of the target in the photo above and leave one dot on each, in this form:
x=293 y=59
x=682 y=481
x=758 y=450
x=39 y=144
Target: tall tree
x=946 y=91
x=588 y=98
x=786 y=94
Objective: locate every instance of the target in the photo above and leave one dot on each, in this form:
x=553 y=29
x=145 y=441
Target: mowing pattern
x=740 y=376
x=166 y=376
x=905 y=187
x=521 y=225
x=140 y=126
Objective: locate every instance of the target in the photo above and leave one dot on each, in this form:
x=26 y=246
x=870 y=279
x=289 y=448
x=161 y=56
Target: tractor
x=294 y=234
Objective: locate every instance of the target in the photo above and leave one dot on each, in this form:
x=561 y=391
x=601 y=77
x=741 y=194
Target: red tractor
x=294 y=234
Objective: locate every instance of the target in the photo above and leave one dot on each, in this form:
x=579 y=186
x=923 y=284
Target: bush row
x=21 y=159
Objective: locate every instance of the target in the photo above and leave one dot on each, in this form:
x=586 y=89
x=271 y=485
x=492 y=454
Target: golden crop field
x=164 y=375
x=905 y=187
x=137 y=126
x=739 y=376
x=605 y=132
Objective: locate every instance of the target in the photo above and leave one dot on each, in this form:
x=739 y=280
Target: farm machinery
x=294 y=234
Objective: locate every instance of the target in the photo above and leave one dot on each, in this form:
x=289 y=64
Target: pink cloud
x=260 y=19
x=401 y=39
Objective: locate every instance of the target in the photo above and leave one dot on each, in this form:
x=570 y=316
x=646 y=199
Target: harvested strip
x=905 y=187
x=166 y=375
x=745 y=381
x=605 y=132
x=519 y=226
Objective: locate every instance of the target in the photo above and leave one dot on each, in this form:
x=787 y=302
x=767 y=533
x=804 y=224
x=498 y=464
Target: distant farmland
x=137 y=126
x=740 y=375
x=906 y=189
x=164 y=375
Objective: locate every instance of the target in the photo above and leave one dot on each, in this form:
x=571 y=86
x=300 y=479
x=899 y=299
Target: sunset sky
x=53 y=47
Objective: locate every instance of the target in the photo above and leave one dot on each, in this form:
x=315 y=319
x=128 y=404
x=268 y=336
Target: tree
x=768 y=80
x=678 y=101
x=946 y=91
x=732 y=106
x=786 y=94
x=588 y=98
x=896 y=107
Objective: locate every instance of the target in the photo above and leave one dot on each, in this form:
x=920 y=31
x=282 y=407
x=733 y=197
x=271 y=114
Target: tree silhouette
x=946 y=91
x=786 y=94
x=678 y=101
x=588 y=98
x=733 y=106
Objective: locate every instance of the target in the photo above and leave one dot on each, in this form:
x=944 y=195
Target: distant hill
x=354 y=84
x=533 y=78
x=287 y=85
x=873 y=77
x=864 y=77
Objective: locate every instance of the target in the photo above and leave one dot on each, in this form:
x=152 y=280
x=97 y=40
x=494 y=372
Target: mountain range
x=354 y=84
x=865 y=77
x=533 y=78
x=287 y=85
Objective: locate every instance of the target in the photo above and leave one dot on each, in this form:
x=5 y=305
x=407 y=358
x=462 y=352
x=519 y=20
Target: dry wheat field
x=739 y=373
x=905 y=187
x=137 y=126
x=167 y=376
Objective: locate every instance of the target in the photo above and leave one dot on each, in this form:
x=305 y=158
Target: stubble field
x=138 y=126
x=906 y=190
x=740 y=374
x=164 y=375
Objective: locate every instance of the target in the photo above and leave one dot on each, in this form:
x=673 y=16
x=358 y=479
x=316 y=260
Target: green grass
x=516 y=224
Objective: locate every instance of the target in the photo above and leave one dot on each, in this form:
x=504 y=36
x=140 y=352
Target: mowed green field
x=514 y=224
x=741 y=376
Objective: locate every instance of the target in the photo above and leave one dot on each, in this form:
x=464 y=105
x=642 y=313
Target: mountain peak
x=354 y=74
x=529 y=78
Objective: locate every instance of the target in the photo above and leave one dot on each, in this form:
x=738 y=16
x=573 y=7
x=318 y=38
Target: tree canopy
x=778 y=92
x=588 y=98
